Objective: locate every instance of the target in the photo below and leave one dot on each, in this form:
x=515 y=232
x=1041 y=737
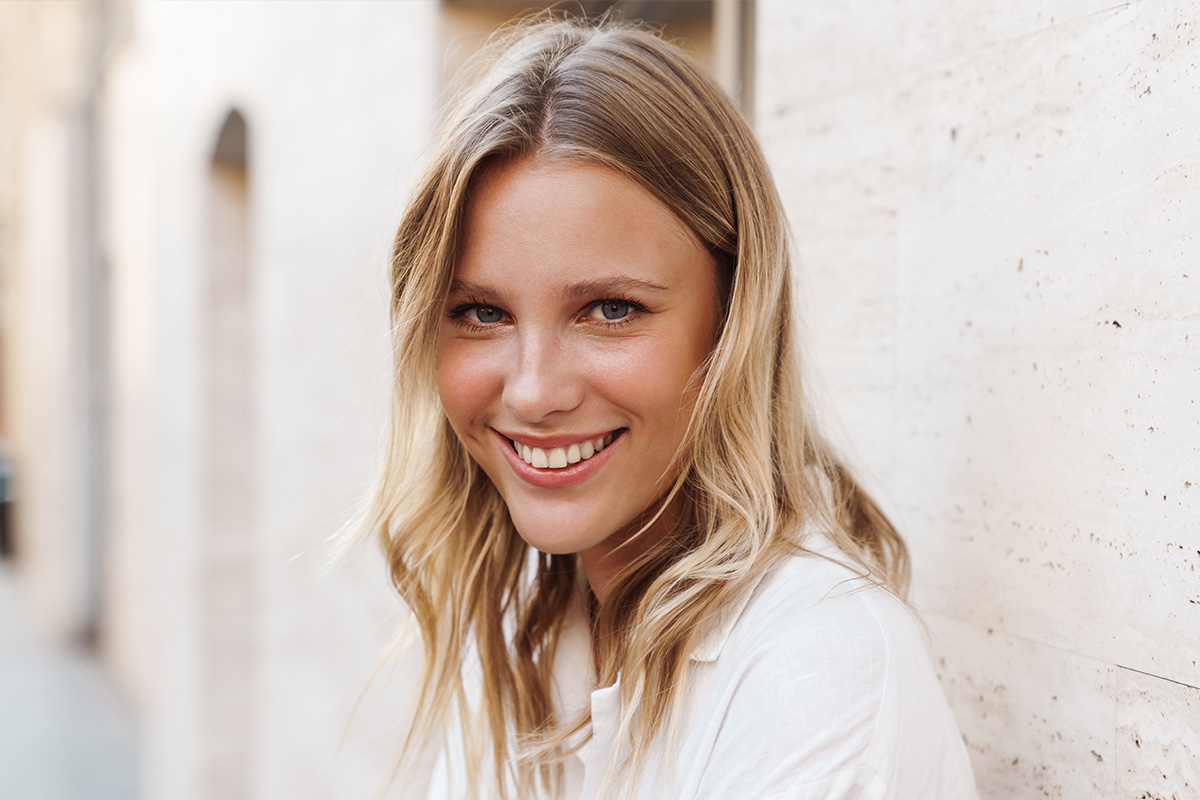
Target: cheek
x=467 y=381
x=649 y=377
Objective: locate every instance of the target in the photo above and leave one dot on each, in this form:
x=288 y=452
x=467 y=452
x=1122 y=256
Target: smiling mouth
x=562 y=457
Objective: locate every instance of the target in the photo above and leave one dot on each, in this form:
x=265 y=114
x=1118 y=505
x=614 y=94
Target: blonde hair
x=753 y=470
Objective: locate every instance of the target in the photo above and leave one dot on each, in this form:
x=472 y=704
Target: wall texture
x=996 y=206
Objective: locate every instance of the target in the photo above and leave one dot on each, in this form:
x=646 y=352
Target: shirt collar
x=574 y=671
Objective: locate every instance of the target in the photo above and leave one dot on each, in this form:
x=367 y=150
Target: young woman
x=637 y=569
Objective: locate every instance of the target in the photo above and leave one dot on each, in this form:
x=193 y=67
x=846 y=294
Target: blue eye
x=487 y=314
x=613 y=310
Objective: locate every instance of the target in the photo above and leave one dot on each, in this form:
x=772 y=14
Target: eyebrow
x=470 y=289
x=599 y=287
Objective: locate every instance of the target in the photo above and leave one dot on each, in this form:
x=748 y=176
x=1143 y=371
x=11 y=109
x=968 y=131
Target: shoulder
x=816 y=607
x=824 y=678
x=819 y=641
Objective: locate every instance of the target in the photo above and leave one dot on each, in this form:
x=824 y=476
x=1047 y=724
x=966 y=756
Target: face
x=580 y=313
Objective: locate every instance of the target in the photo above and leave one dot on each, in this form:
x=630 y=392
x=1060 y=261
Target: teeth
x=560 y=457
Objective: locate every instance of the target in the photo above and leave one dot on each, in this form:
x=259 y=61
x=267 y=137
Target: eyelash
x=458 y=314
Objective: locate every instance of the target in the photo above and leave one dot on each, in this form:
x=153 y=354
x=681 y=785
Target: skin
x=581 y=305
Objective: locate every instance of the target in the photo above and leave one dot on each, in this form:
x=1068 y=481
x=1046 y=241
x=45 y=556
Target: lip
x=556 y=478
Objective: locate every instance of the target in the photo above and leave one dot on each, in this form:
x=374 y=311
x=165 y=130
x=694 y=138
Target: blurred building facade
x=196 y=202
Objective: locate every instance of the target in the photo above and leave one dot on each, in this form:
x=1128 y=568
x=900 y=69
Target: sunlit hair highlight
x=753 y=470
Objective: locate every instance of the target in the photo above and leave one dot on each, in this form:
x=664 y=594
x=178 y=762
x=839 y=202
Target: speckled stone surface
x=995 y=206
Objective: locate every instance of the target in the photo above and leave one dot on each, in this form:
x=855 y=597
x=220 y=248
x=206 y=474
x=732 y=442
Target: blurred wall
x=49 y=400
x=996 y=208
x=332 y=132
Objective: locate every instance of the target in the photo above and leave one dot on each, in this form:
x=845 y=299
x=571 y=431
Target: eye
x=485 y=315
x=477 y=317
x=612 y=310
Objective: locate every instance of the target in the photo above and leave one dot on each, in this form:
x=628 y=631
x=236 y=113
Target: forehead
x=550 y=219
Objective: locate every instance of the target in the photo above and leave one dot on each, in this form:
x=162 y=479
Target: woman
x=637 y=569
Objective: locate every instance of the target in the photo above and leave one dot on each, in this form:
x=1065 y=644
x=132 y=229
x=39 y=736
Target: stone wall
x=995 y=207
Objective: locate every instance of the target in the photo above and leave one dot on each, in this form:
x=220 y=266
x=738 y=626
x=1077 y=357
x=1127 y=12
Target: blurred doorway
x=228 y=545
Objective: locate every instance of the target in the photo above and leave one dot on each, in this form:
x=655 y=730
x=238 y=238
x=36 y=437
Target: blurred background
x=995 y=207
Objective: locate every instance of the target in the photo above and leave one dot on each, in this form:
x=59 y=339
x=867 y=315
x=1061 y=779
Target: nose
x=544 y=382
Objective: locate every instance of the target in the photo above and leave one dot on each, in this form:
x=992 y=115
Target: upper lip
x=558 y=440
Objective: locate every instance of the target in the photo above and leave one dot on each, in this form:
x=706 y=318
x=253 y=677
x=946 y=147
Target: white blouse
x=817 y=685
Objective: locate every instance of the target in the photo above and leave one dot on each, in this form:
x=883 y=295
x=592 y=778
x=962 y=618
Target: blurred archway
x=228 y=543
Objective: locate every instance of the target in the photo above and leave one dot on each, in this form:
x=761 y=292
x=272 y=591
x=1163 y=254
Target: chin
x=551 y=548
x=547 y=532
x=550 y=541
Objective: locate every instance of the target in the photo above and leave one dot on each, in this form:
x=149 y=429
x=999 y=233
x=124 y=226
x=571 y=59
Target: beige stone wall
x=996 y=207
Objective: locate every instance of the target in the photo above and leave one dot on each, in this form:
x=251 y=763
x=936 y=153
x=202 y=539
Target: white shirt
x=818 y=684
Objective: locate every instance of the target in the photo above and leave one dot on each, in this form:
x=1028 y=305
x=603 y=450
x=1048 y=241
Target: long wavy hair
x=753 y=470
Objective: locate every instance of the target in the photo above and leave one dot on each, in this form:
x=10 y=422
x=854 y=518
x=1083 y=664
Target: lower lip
x=557 y=478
